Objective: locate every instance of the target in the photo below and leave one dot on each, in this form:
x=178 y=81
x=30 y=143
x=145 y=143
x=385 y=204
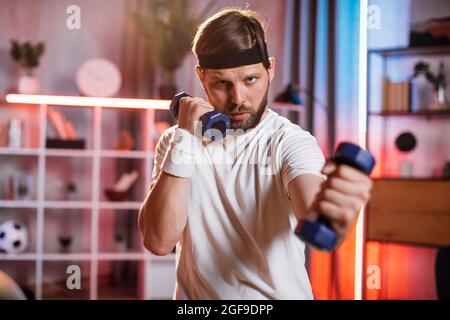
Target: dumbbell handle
x=319 y=233
x=175 y=103
x=210 y=120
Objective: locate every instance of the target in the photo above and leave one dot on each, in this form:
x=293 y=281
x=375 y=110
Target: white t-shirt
x=239 y=241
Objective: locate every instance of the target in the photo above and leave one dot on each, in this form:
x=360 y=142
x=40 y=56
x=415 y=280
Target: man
x=232 y=221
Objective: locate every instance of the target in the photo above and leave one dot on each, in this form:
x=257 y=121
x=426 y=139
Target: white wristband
x=181 y=155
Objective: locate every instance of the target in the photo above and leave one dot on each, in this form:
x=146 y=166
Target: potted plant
x=168 y=29
x=27 y=56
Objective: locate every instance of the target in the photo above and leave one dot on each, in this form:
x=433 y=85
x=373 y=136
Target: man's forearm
x=163 y=215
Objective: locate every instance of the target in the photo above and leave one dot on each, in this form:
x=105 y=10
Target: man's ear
x=272 y=68
x=201 y=75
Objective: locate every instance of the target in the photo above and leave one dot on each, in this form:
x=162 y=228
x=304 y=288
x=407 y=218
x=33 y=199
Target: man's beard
x=252 y=119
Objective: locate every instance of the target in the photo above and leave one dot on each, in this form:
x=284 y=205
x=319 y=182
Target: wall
x=103 y=26
x=100 y=36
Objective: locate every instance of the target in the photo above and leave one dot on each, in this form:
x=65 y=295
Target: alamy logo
x=266 y=156
x=373 y=17
x=73 y=21
x=74 y=280
x=373 y=277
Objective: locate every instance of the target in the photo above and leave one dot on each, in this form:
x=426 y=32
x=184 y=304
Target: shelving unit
x=406 y=217
x=387 y=117
x=42 y=268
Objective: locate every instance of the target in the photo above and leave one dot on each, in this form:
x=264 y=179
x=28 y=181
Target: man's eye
x=222 y=83
x=250 y=79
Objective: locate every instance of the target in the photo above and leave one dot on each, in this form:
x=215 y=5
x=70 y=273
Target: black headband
x=233 y=59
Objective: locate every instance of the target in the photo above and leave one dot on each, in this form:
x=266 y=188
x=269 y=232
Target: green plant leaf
x=26 y=54
x=15 y=50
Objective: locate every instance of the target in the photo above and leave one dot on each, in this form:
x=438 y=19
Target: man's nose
x=237 y=96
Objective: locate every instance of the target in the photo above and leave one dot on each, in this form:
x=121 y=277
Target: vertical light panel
x=362 y=125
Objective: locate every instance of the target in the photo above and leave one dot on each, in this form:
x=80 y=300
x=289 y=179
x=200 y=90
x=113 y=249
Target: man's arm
x=339 y=198
x=303 y=190
x=163 y=214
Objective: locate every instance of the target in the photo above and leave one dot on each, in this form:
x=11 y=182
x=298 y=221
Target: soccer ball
x=13 y=237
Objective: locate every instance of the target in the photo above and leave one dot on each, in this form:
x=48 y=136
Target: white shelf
x=20 y=256
x=138 y=256
x=123 y=256
x=67 y=204
x=18 y=204
x=66 y=256
x=134 y=154
x=68 y=153
x=126 y=154
x=19 y=151
x=128 y=205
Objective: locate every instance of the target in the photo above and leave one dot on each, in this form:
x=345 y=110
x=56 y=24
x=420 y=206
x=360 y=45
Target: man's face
x=239 y=92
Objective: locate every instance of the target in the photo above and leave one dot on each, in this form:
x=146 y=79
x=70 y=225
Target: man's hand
x=341 y=197
x=191 y=109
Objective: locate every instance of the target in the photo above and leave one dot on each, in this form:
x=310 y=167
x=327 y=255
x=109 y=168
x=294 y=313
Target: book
x=70 y=130
x=396 y=95
x=58 y=123
x=63 y=128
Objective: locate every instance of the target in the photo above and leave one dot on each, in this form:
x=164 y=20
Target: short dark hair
x=230 y=30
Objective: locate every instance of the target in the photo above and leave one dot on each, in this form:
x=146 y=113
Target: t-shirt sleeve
x=300 y=154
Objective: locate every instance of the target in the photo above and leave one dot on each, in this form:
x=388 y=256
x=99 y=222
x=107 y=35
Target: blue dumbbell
x=210 y=120
x=319 y=233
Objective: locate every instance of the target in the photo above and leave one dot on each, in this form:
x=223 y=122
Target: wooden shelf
x=395 y=52
x=409 y=211
x=411 y=179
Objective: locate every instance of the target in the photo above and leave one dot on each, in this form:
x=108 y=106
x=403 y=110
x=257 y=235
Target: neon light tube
x=88 y=101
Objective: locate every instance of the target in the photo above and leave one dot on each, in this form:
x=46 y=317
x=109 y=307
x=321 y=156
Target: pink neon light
x=88 y=101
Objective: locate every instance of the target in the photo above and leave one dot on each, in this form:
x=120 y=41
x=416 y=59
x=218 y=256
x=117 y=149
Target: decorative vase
x=421 y=92
x=406 y=169
x=28 y=84
x=65 y=242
